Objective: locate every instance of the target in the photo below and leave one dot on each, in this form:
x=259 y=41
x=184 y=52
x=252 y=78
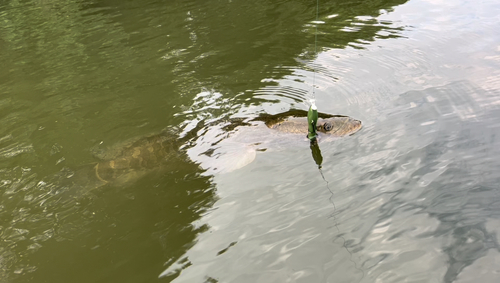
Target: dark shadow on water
x=316 y=153
x=123 y=234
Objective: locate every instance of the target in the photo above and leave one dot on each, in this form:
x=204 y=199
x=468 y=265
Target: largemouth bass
x=164 y=152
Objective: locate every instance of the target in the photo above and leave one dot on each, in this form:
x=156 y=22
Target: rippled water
x=412 y=197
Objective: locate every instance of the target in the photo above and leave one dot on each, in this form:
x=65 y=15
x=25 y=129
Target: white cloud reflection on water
x=407 y=189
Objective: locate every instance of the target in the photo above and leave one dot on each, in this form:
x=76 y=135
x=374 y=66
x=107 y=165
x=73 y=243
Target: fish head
x=338 y=126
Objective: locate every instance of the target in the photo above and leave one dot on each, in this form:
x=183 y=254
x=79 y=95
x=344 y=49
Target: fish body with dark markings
x=164 y=152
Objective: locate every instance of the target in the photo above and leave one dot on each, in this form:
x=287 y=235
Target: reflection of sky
x=449 y=42
x=465 y=36
x=445 y=72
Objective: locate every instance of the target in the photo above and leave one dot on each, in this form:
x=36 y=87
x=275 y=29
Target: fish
x=294 y=122
x=166 y=152
x=239 y=141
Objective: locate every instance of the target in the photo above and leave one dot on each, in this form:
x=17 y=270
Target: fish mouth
x=357 y=125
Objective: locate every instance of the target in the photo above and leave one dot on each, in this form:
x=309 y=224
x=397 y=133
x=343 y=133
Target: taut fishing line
x=313 y=100
x=312 y=121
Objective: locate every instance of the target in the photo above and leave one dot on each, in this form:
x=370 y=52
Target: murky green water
x=412 y=197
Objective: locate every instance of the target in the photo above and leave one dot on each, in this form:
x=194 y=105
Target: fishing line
x=315 y=52
x=316 y=152
x=337 y=224
x=318 y=158
x=312 y=100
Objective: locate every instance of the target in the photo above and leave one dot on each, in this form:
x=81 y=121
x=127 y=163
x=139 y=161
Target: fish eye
x=327 y=126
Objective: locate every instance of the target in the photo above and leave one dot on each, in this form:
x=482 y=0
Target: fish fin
x=227 y=157
x=235 y=159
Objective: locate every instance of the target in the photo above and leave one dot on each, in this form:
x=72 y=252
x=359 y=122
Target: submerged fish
x=129 y=162
x=164 y=152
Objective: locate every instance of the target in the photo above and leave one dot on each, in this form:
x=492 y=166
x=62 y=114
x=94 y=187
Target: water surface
x=412 y=197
